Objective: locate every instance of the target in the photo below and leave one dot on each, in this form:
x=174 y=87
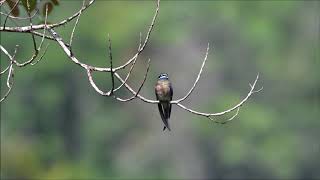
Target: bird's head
x=163 y=76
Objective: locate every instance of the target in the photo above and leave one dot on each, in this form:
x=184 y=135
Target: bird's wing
x=162 y=113
x=169 y=113
x=171 y=94
x=166 y=110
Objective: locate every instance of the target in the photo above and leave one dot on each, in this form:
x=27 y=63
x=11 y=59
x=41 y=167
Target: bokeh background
x=55 y=126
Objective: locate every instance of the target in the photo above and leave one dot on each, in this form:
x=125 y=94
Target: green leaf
x=55 y=2
x=32 y=4
x=50 y=7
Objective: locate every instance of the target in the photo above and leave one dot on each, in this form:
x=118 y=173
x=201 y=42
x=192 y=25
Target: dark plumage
x=164 y=92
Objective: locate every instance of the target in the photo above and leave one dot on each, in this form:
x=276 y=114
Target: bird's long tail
x=165 y=110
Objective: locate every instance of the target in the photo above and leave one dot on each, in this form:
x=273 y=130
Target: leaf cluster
x=31 y=5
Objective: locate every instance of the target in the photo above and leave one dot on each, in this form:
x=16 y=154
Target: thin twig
x=111 y=67
x=113 y=71
x=75 y=25
x=45 y=36
x=93 y=84
x=66 y=49
x=131 y=68
x=251 y=92
x=41 y=26
x=44 y=52
x=9 y=81
x=1 y=2
x=109 y=93
x=20 y=18
x=141 y=85
x=232 y=117
x=5 y=20
x=32 y=35
x=11 y=58
x=134 y=92
x=36 y=50
x=196 y=81
x=228 y=120
x=145 y=40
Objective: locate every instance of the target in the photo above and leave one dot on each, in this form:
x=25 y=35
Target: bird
x=164 y=92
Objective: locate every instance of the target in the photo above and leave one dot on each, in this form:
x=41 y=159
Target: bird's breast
x=163 y=90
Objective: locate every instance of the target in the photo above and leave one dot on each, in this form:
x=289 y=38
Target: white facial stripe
x=163 y=76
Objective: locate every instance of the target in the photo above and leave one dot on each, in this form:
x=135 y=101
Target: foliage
x=31 y=5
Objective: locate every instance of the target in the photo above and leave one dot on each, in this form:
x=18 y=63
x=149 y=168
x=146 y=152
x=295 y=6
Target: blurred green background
x=55 y=126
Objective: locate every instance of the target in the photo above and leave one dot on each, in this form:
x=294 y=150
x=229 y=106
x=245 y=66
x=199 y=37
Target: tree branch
x=41 y=26
x=208 y=115
x=10 y=74
x=111 y=66
x=196 y=81
x=5 y=20
x=237 y=106
x=141 y=85
x=67 y=48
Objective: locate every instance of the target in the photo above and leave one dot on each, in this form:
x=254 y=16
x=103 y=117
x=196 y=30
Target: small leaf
x=55 y=2
x=32 y=4
x=15 y=11
x=50 y=7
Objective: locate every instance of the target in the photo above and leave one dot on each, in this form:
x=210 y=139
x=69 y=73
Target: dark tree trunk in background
x=69 y=122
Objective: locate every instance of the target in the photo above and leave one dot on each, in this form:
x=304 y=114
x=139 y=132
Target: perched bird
x=164 y=92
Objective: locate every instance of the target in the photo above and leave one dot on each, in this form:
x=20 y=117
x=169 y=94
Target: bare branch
x=75 y=25
x=251 y=92
x=9 y=78
x=111 y=67
x=131 y=68
x=109 y=93
x=196 y=81
x=66 y=49
x=5 y=70
x=5 y=20
x=224 y=122
x=208 y=115
x=1 y=2
x=20 y=18
x=11 y=58
x=36 y=50
x=44 y=53
x=135 y=93
x=32 y=35
x=150 y=27
x=232 y=117
x=41 y=26
x=45 y=36
x=141 y=85
x=146 y=39
x=93 y=84
x=30 y=61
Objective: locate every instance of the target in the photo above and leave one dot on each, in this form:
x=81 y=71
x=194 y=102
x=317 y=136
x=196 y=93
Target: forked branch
x=10 y=74
x=90 y=69
x=29 y=29
x=32 y=60
x=67 y=48
x=208 y=115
